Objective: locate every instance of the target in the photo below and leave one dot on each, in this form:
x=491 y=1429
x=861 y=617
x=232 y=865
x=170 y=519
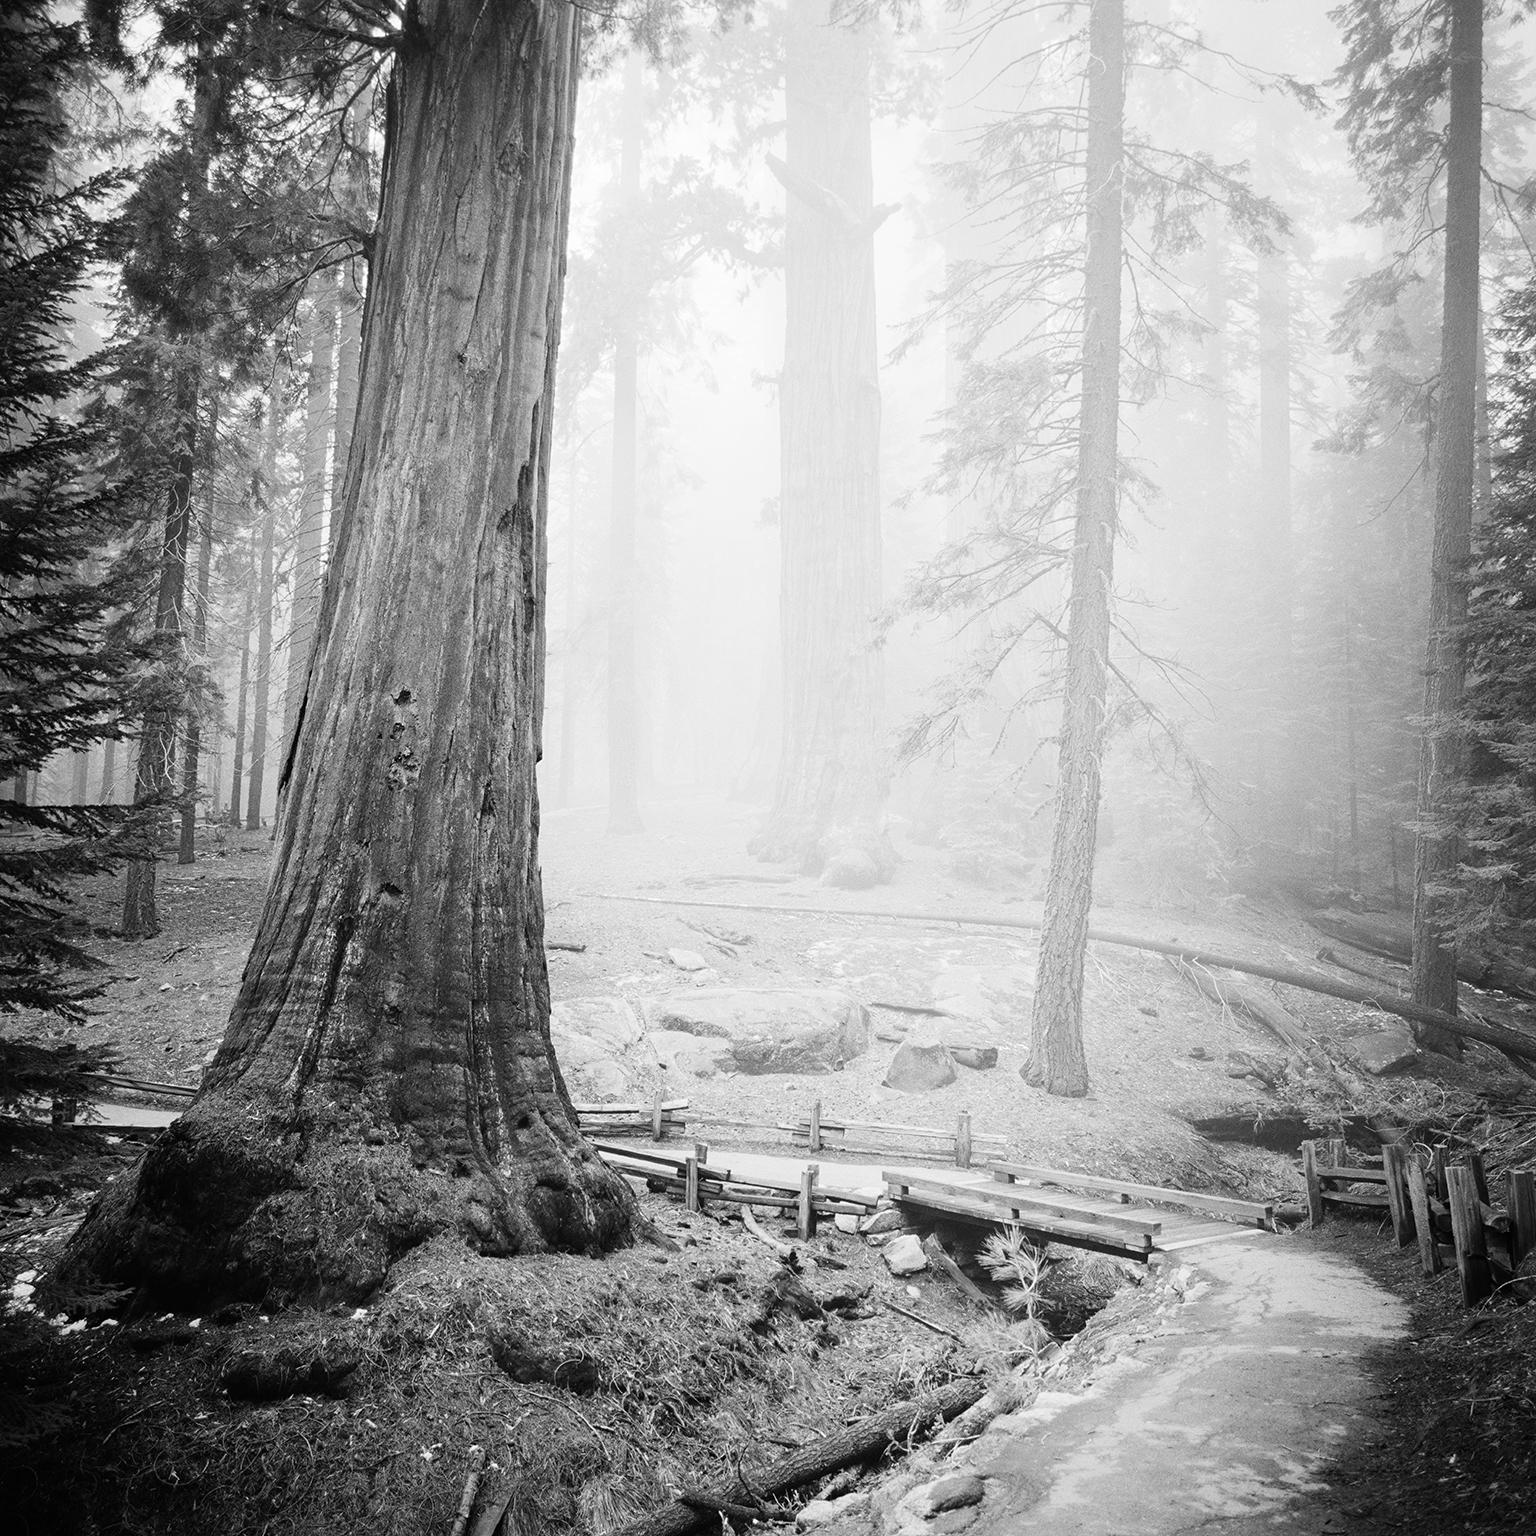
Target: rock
x=979 y=1058
x=608 y=1020
x=698 y=1055
x=1380 y=1047
x=850 y=870
x=846 y=1221
x=824 y=1511
x=687 y=959
x=920 y=1068
x=904 y=1255
x=888 y=1220
x=958 y=1492
x=799 y=1029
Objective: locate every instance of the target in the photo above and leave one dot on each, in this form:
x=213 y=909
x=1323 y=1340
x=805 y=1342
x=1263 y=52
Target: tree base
x=849 y=858
x=231 y=1205
x=1067 y=1082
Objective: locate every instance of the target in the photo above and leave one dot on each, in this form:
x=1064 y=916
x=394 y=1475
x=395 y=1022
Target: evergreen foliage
x=68 y=657
x=1500 y=873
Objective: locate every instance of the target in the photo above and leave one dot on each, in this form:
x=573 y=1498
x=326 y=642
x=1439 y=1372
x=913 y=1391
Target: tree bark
x=623 y=681
x=153 y=779
x=387 y=1073
x=1437 y=843
x=192 y=754
x=266 y=497
x=307 y=577
x=242 y=693
x=828 y=806
x=1056 y=1061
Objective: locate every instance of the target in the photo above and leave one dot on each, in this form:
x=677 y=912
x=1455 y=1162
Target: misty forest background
x=823 y=409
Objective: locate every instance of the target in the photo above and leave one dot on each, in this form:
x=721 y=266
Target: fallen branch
x=859 y=1442
x=471 y=1488
x=927 y=1322
x=1509 y=1041
x=940 y=1259
x=755 y=1227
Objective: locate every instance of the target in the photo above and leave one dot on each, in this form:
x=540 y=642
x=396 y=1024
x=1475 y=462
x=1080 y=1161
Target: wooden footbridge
x=1080 y=1209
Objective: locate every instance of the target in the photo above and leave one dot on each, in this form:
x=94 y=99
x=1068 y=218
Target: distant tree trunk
x=1056 y=1061
x=1437 y=845
x=242 y=693
x=308 y=571
x=828 y=806
x=387 y=1075
x=265 y=597
x=108 y=771
x=153 y=780
x=191 y=763
x=80 y=779
x=1271 y=545
x=623 y=679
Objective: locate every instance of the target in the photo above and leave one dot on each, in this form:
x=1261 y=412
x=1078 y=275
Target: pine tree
x=68 y=658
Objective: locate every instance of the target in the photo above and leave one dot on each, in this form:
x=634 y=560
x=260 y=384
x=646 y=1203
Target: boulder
x=920 y=1068
x=592 y=1037
x=1381 y=1046
x=889 y=1220
x=687 y=959
x=609 y=1020
x=904 y=1255
x=697 y=1055
x=802 y=1029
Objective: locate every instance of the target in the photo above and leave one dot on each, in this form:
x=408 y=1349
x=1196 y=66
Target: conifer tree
x=67 y=589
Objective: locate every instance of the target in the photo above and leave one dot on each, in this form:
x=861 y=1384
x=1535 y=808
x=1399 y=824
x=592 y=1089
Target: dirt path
x=1218 y=1420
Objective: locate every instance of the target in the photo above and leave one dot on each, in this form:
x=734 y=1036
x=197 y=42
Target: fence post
x=1394 y=1162
x=963 y=1140
x=1471 y=1239
x=658 y=1128
x=1423 y=1218
x=691 y=1184
x=815 y=1137
x=1314 y=1185
x=805 y=1224
x=1520 y=1202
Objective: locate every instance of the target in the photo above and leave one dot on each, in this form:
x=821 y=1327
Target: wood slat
x=1354 y=1175
x=1222 y=1205
x=1371 y=1201
x=1037 y=1206
x=1100 y=1239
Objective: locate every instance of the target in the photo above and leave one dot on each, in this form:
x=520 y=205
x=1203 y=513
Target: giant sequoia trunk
x=1056 y=1061
x=387 y=1072
x=1437 y=851
x=828 y=805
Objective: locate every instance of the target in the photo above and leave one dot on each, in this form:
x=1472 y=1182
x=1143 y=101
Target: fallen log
x=1390 y=935
x=859 y=1442
x=1511 y=1042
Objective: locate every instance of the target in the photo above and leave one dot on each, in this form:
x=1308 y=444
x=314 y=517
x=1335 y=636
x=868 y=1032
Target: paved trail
x=1217 y=1423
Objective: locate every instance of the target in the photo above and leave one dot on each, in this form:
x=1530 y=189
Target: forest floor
x=695 y=1361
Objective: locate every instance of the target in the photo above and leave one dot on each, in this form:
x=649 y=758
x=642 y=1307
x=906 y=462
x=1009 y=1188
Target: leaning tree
x=387 y=1074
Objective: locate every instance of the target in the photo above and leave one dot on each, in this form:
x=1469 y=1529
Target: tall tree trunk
x=1271 y=543
x=829 y=797
x=623 y=679
x=1056 y=1061
x=308 y=572
x=387 y=1074
x=191 y=763
x=80 y=778
x=108 y=771
x=265 y=597
x=1437 y=845
x=153 y=781
x=242 y=694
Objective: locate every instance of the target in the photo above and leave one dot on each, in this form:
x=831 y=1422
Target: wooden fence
x=814 y=1132
x=1443 y=1207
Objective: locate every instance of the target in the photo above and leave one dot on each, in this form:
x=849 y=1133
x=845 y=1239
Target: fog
x=1273 y=528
